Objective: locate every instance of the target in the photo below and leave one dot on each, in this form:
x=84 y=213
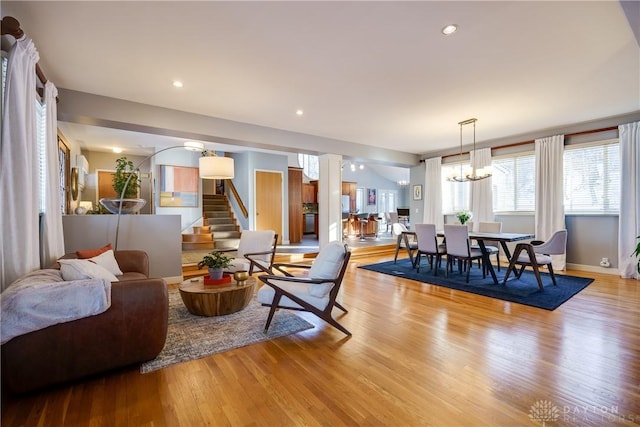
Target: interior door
x=105 y=185
x=269 y=202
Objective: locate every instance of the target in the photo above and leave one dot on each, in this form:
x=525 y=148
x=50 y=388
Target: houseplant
x=636 y=253
x=126 y=203
x=217 y=262
x=464 y=216
x=124 y=168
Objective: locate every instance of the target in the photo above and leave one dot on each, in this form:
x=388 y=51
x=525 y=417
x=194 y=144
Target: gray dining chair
x=537 y=255
x=491 y=246
x=391 y=218
x=459 y=247
x=428 y=245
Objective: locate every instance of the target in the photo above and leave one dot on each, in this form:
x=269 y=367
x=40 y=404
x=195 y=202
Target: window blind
x=514 y=183
x=592 y=178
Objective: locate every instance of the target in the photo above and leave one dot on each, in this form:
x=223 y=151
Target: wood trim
x=11 y=26
x=235 y=194
x=517 y=144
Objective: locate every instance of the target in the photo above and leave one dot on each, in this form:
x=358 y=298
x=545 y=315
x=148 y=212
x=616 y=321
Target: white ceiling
x=374 y=73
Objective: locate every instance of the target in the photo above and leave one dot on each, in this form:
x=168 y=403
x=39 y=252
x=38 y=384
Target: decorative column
x=330 y=199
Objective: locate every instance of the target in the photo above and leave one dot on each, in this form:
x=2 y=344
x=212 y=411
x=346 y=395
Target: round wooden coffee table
x=216 y=300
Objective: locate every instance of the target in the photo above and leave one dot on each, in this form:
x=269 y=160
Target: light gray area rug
x=192 y=337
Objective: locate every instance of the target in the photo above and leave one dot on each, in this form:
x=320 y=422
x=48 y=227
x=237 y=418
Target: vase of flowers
x=217 y=262
x=464 y=216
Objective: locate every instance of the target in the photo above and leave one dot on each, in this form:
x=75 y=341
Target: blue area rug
x=522 y=291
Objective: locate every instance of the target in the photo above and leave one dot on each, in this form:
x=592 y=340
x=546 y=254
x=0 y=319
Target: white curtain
x=52 y=245
x=19 y=166
x=432 y=193
x=549 y=216
x=629 y=219
x=481 y=194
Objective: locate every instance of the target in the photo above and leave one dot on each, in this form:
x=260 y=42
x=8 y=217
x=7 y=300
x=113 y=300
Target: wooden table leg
x=487 y=261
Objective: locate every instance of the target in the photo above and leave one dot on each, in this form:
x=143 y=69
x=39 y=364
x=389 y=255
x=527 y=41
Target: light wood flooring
x=419 y=355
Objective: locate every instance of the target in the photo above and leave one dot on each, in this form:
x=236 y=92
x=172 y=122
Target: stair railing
x=236 y=196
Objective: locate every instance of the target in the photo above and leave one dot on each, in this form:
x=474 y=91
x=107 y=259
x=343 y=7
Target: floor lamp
x=210 y=166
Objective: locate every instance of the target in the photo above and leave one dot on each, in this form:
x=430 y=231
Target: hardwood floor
x=419 y=355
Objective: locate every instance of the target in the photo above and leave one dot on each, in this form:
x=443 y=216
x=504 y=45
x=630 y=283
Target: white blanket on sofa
x=42 y=298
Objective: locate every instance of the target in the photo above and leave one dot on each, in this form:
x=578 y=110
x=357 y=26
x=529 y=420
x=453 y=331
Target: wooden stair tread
x=194 y=238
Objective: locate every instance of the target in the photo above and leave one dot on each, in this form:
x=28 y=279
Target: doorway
x=268 y=194
x=387 y=202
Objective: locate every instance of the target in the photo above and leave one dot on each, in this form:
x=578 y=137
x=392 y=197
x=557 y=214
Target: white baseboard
x=173 y=280
x=578 y=267
x=593 y=268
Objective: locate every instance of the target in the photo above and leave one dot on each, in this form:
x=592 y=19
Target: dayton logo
x=544 y=411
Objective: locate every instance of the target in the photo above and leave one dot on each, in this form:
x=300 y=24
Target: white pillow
x=328 y=262
x=108 y=261
x=79 y=269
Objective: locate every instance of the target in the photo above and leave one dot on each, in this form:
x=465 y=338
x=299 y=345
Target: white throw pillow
x=328 y=262
x=108 y=260
x=79 y=269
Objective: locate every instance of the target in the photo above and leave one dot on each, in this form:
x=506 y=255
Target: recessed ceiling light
x=299 y=112
x=117 y=150
x=177 y=83
x=449 y=29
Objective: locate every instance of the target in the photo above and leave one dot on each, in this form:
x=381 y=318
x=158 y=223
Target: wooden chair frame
x=256 y=262
x=557 y=244
x=324 y=314
x=272 y=253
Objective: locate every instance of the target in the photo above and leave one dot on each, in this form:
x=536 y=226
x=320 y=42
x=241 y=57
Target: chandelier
x=469 y=174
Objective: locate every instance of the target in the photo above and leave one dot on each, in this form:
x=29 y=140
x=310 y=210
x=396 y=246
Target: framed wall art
x=417 y=192
x=371 y=196
x=179 y=186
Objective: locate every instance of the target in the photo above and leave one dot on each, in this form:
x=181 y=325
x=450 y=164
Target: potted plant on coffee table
x=217 y=262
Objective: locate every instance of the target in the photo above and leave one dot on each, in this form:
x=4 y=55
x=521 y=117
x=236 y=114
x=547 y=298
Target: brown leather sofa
x=132 y=330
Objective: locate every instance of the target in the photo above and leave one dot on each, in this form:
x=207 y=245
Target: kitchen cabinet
x=296 y=223
x=349 y=189
x=310 y=193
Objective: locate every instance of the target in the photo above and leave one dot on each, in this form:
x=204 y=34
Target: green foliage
x=124 y=168
x=215 y=260
x=464 y=216
x=636 y=253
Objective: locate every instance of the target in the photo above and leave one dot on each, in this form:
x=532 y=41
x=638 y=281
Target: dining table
x=503 y=238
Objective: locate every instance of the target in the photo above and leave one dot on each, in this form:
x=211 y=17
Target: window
x=513 y=183
x=310 y=165
x=456 y=196
x=592 y=178
x=360 y=199
x=4 y=74
x=41 y=132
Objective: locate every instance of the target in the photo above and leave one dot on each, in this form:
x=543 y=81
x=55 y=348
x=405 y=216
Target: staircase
x=219 y=229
